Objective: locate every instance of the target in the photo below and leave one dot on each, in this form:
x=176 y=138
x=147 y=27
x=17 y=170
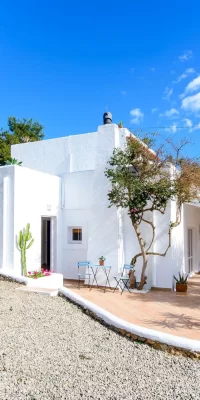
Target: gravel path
x=50 y=350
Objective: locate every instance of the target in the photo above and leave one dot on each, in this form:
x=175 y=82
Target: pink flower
x=46 y=270
x=47 y=273
x=29 y=273
x=52 y=272
x=36 y=273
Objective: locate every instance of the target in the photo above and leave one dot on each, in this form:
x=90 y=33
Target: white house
x=61 y=191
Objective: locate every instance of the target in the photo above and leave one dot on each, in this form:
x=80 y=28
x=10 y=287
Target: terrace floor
x=169 y=312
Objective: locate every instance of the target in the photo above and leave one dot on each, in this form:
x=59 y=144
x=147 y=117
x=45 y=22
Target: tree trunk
x=144 y=256
x=132 y=279
x=143 y=277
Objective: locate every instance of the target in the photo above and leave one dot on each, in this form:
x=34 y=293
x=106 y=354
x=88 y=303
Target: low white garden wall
x=53 y=281
x=138 y=332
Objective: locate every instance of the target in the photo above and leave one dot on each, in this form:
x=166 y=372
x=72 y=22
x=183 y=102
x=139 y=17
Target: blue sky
x=63 y=62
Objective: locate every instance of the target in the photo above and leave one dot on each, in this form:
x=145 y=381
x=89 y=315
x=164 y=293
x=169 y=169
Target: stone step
x=48 y=292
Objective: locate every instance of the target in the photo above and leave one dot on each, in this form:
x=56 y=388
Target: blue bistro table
x=95 y=269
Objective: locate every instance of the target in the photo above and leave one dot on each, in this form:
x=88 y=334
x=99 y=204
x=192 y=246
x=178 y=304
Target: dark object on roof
x=107 y=118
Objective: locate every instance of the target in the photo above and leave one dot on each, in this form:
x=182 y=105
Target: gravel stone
x=50 y=349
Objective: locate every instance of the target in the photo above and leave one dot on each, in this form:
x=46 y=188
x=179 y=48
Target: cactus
x=23 y=239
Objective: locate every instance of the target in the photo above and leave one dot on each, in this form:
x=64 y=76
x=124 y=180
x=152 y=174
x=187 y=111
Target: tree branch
x=153 y=229
x=152 y=253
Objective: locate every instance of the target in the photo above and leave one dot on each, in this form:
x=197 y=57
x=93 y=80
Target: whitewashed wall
x=80 y=161
x=191 y=217
x=6 y=217
x=58 y=156
x=73 y=159
x=36 y=194
x=104 y=229
x=76 y=205
x=159 y=269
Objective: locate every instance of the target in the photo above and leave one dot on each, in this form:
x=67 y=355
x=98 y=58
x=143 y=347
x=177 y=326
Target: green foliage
x=38 y=274
x=148 y=141
x=182 y=279
x=102 y=258
x=143 y=181
x=20 y=131
x=25 y=241
x=13 y=161
x=120 y=124
x=138 y=180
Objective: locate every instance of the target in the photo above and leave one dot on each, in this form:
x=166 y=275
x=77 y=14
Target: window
x=76 y=234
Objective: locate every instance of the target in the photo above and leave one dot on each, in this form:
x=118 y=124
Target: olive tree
x=144 y=181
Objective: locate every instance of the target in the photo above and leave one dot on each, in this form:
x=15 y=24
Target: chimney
x=107 y=118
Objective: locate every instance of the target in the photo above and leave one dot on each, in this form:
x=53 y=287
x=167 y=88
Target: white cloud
x=185 y=74
x=180 y=78
x=152 y=69
x=193 y=85
x=172 y=128
x=191 y=103
x=188 y=123
x=137 y=114
x=195 y=128
x=190 y=71
x=153 y=110
x=123 y=93
x=167 y=93
x=170 y=113
x=187 y=55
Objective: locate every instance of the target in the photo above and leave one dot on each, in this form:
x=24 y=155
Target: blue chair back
x=83 y=271
x=127 y=268
x=83 y=263
x=84 y=267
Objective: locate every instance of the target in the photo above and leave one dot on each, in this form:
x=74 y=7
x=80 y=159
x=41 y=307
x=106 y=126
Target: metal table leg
x=107 y=273
x=94 y=271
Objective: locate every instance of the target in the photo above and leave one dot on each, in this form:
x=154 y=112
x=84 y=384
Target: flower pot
x=101 y=262
x=181 y=287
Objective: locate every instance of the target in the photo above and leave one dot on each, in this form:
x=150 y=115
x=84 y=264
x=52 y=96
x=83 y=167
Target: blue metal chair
x=82 y=275
x=123 y=280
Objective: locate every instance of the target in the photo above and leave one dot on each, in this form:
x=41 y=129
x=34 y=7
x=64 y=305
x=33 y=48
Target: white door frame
x=191 y=249
x=53 y=240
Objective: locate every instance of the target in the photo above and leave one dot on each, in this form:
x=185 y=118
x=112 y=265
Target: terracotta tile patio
x=169 y=312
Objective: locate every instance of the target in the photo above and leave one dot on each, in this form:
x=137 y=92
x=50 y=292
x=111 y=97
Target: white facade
x=62 y=181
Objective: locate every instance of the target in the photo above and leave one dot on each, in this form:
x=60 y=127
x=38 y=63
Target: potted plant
x=120 y=124
x=181 y=283
x=101 y=260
